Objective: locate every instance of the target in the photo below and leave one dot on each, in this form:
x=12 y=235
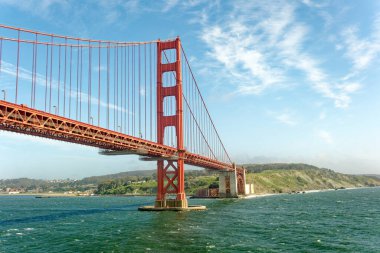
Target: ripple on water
x=336 y=221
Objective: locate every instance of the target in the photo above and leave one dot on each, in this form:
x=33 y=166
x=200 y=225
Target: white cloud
x=112 y=16
x=257 y=44
x=362 y=51
x=169 y=4
x=294 y=57
x=40 y=7
x=325 y=136
x=315 y=4
x=233 y=45
x=285 y=117
x=322 y=116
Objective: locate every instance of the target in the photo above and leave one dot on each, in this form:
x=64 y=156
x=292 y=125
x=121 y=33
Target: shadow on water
x=61 y=215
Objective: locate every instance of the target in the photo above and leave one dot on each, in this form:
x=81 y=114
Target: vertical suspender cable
x=200 y=95
x=133 y=91
x=64 y=81
x=89 y=84
x=108 y=85
x=51 y=71
x=125 y=89
x=151 y=90
x=77 y=97
x=46 y=75
x=114 y=89
x=18 y=63
x=117 y=87
x=35 y=74
x=128 y=93
x=121 y=88
x=99 y=70
x=145 y=89
x=139 y=91
x=80 y=81
x=1 y=53
x=70 y=89
x=59 y=76
x=32 y=86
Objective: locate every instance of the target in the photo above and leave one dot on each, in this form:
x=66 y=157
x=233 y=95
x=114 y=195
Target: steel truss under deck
x=25 y=120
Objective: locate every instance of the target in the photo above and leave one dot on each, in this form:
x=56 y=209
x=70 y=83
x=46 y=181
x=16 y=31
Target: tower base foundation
x=177 y=209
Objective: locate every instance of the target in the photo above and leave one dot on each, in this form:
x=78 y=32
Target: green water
x=334 y=221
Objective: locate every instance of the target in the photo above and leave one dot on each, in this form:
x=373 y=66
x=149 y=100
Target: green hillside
x=278 y=166
x=136 y=175
x=282 y=180
x=131 y=182
x=194 y=180
x=267 y=178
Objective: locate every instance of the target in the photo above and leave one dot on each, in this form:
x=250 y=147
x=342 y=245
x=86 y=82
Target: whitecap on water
x=28 y=229
x=19 y=234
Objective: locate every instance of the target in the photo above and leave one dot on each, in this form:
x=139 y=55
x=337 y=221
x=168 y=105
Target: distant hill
x=255 y=168
x=282 y=180
x=372 y=175
x=267 y=178
x=122 y=175
x=135 y=175
x=39 y=185
x=23 y=182
x=92 y=183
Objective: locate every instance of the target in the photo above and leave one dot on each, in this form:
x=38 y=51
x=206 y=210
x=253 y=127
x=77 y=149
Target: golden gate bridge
x=122 y=97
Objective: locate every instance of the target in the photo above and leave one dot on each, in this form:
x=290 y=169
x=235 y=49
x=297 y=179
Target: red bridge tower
x=170 y=172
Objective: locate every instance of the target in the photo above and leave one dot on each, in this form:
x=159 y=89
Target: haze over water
x=333 y=221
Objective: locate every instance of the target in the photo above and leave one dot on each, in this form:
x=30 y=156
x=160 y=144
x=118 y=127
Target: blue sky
x=285 y=81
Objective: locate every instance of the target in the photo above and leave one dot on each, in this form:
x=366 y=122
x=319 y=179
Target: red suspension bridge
x=122 y=97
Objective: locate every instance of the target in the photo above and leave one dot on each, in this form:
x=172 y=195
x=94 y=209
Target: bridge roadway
x=25 y=120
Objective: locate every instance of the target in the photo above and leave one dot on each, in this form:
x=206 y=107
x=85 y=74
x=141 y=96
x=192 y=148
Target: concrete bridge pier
x=232 y=183
x=227 y=185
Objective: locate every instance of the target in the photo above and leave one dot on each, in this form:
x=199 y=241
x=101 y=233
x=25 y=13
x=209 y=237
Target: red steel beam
x=25 y=120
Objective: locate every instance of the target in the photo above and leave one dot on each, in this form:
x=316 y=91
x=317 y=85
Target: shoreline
x=45 y=194
x=57 y=194
x=53 y=195
x=305 y=192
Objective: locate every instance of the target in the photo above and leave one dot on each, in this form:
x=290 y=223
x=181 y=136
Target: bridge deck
x=25 y=120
